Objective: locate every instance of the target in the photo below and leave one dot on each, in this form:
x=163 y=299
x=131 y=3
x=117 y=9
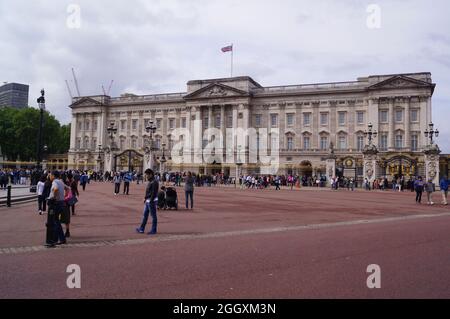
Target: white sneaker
x=431 y=203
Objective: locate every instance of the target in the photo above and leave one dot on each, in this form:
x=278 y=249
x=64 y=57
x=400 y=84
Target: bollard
x=8 y=197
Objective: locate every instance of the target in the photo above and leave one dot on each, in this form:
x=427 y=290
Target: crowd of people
x=58 y=193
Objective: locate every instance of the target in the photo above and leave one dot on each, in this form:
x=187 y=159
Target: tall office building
x=14 y=95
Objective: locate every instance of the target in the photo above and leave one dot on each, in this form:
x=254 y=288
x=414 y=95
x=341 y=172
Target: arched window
x=86 y=142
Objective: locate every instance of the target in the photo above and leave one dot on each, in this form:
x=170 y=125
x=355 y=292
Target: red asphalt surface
x=218 y=257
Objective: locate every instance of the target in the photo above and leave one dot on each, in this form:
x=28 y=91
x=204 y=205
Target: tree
x=19 y=133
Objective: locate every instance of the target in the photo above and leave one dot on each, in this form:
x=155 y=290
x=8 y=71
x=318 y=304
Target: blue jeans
x=191 y=195
x=150 y=208
x=58 y=231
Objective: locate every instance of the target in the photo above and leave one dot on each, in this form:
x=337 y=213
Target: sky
x=152 y=46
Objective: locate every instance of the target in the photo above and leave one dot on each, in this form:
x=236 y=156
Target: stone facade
x=306 y=117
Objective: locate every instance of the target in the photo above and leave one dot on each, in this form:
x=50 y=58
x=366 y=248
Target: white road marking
x=162 y=238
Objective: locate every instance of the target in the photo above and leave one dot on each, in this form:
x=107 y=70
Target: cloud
x=157 y=46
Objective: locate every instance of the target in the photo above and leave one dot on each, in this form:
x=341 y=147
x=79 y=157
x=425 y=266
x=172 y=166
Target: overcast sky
x=150 y=47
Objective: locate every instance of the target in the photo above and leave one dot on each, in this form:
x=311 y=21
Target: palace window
x=360 y=117
x=290 y=119
x=414 y=115
x=134 y=124
x=399 y=116
x=171 y=124
x=290 y=143
x=383 y=142
x=86 y=143
x=230 y=121
x=86 y=125
x=360 y=143
x=342 y=142
x=323 y=118
x=123 y=124
x=414 y=142
x=323 y=143
x=80 y=126
x=398 y=141
x=306 y=119
x=94 y=125
x=133 y=142
x=383 y=116
x=217 y=124
x=158 y=123
x=78 y=144
x=94 y=144
x=273 y=120
x=205 y=122
x=306 y=143
x=342 y=117
x=183 y=122
x=258 y=120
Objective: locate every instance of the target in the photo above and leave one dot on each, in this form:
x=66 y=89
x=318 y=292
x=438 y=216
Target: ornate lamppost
x=370 y=152
x=41 y=104
x=431 y=132
x=370 y=133
x=238 y=165
x=162 y=159
x=432 y=152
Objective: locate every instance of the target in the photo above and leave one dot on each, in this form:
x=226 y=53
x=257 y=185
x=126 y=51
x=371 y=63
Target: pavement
x=235 y=244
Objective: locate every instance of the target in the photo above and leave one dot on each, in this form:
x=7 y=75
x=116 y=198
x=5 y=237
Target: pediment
x=216 y=90
x=86 y=101
x=400 y=82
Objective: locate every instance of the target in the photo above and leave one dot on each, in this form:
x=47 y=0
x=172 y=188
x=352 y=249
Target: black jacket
x=151 y=191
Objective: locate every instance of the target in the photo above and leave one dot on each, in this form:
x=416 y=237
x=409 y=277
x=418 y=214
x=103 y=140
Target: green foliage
x=19 y=130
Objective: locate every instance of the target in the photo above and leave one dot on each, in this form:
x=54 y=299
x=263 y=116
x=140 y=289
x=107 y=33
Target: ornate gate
x=129 y=160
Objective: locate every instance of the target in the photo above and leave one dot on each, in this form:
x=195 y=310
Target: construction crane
x=68 y=89
x=76 y=82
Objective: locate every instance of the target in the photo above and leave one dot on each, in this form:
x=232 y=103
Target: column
x=333 y=122
x=73 y=131
x=223 y=131
x=351 y=125
x=407 y=124
x=391 y=139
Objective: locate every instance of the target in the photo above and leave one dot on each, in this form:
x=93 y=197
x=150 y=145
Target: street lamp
x=41 y=104
x=370 y=133
x=238 y=165
x=431 y=132
x=111 y=131
x=150 y=128
x=163 y=159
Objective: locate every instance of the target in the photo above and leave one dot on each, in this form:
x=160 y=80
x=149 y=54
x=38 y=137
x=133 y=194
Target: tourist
x=418 y=186
x=444 y=189
x=56 y=205
x=151 y=197
x=117 y=181
x=83 y=180
x=189 y=190
x=429 y=188
x=75 y=194
x=126 y=182
x=40 y=192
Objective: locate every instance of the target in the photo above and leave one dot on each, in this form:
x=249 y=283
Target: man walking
x=151 y=198
x=117 y=180
x=444 y=189
x=126 y=182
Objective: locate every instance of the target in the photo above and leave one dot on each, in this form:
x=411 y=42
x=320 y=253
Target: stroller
x=171 y=200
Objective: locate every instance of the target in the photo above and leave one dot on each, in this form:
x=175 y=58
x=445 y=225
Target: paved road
x=254 y=246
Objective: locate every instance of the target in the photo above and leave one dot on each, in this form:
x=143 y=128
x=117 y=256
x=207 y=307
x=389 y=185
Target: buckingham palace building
x=368 y=128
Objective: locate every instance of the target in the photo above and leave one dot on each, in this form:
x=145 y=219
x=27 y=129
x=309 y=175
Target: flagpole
x=232 y=49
